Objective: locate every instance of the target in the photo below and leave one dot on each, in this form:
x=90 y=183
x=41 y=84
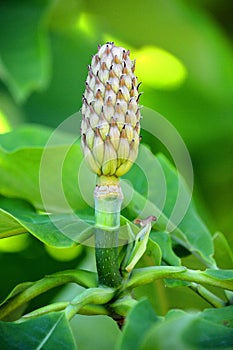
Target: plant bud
x=110 y=112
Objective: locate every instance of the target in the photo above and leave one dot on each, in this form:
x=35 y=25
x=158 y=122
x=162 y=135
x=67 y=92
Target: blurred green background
x=184 y=60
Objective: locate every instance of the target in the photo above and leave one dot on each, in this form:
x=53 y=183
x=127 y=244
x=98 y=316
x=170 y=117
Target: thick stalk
x=108 y=199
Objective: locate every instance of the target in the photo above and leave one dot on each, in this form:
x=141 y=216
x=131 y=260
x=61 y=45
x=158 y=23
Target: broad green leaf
x=139 y=320
x=50 y=185
x=24 y=47
x=95 y=332
x=222 y=252
x=48 y=332
x=51 y=173
x=32 y=136
x=222 y=316
x=204 y=333
x=9 y=225
x=57 y=230
x=162 y=194
x=185 y=331
x=19 y=172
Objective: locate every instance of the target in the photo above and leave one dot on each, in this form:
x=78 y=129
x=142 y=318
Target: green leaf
x=222 y=251
x=185 y=331
x=139 y=320
x=48 y=332
x=222 y=316
x=57 y=230
x=9 y=225
x=153 y=251
x=49 y=184
x=164 y=186
x=32 y=136
x=163 y=239
x=24 y=47
x=139 y=247
x=219 y=274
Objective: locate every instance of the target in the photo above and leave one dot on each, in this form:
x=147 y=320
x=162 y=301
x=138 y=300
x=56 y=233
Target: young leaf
x=139 y=247
x=51 y=331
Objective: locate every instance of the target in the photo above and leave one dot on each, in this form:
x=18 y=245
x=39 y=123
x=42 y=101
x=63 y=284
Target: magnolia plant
x=110 y=132
x=110 y=138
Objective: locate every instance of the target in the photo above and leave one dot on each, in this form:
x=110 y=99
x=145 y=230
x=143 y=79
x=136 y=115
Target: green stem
x=149 y=274
x=206 y=294
x=96 y=296
x=84 y=278
x=108 y=199
x=123 y=305
x=107 y=258
x=89 y=309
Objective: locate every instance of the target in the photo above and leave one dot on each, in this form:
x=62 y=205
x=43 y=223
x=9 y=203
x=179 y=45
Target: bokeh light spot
x=159 y=68
x=155 y=66
x=64 y=254
x=4 y=125
x=14 y=244
x=83 y=23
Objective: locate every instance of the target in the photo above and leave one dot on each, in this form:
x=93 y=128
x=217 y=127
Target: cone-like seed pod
x=110 y=113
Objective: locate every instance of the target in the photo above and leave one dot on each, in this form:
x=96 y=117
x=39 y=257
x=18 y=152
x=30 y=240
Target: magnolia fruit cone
x=110 y=112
